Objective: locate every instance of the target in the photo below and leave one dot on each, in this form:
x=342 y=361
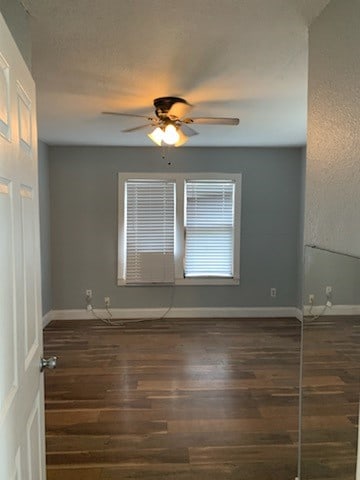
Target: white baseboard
x=198 y=312
x=47 y=318
x=334 y=310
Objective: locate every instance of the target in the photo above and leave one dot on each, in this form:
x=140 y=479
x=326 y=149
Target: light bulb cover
x=171 y=135
x=157 y=136
x=182 y=138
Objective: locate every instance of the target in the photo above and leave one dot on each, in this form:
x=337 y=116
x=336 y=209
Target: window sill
x=184 y=282
x=207 y=281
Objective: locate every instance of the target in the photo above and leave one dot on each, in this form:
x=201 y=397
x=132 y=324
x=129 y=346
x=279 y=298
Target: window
x=209 y=228
x=149 y=227
x=179 y=228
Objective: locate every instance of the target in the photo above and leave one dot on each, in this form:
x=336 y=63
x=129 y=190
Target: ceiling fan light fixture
x=171 y=135
x=157 y=136
x=182 y=138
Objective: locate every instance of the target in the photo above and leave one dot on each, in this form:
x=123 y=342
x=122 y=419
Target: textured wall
x=333 y=150
x=84 y=225
x=44 y=202
x=341 y=272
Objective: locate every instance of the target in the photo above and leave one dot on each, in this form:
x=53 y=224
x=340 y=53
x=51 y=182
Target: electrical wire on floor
x=110 y=321
x=315 y=317
x=312 y=317
x=96 y=315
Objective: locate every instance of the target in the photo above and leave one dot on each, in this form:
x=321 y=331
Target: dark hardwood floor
x=331 y=397
x=199 y=399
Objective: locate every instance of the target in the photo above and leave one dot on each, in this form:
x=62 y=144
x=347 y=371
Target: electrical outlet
x=311 y=299
x=328 y=291
x=88 y=298
x=272 y=292
x=107 y=302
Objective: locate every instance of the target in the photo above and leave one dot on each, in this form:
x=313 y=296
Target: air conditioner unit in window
x=154 y=267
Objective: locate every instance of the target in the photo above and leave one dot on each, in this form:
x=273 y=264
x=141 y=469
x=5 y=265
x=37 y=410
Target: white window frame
x=179 y=253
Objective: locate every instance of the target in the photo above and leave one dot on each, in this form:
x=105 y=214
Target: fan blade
x=179 y=110
x=140 y=127
x=213 y=121
x=188 y=131
x=129 y=115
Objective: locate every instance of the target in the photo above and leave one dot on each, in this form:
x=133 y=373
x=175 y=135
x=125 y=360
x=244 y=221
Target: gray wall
x=333 y=174
x=44 y=202
x=84 y=224
x=19 y=25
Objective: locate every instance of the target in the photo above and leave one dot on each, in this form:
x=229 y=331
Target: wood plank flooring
x=331 y=397
x=198 y=399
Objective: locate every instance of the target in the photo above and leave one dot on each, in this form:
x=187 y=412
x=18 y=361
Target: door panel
x=8 y=358
x=33 y=434
x=22 y=450
x=24 y=118
x=17 y=474
x=4 y=98
x=30 y=317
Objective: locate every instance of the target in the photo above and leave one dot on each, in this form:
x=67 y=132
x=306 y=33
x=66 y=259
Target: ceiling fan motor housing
x=163 y=104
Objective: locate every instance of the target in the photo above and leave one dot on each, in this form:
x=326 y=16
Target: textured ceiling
x=239 y=58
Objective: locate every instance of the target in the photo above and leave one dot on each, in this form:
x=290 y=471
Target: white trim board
x=333 y=310
x=197 y=312
x=47 y=318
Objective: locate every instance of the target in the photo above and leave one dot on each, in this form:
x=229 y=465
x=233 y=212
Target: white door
x=21 y=383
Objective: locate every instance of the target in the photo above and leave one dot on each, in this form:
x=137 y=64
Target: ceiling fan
x=171 y=121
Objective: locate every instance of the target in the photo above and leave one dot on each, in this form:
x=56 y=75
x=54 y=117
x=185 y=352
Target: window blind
x=150 y=226
x=209 y=228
